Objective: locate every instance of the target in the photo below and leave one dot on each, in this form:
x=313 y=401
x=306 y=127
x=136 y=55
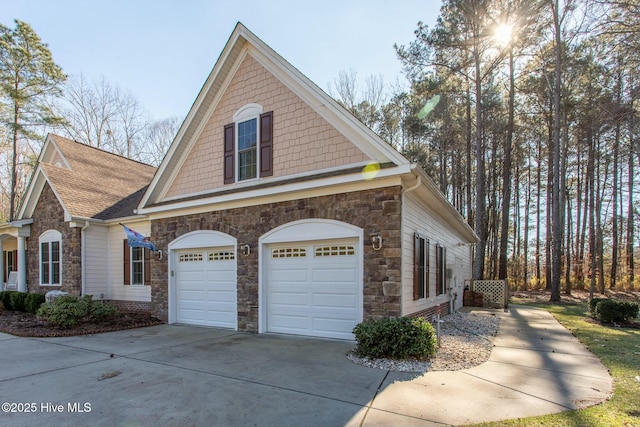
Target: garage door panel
x=328 y=301
x=206 y=287
x=316 y=294
x=192 y=295
x=290 y=321
x=286 y=274
x=335 y=274
x=192 y=275
x=225 y=297
x=222 y=277
x=289 y=299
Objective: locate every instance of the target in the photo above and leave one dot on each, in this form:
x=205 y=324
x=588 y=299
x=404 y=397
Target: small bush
x=67 y=311
x=17 y=300
x=592 y=305
x=616 y=311
x=398 y=338
x=99 y=311
x=5 y=298
x=33 y=302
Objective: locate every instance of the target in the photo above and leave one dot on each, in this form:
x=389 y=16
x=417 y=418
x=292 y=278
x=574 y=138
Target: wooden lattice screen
x=495 y=292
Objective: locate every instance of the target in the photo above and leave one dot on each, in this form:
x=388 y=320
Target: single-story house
x=275 y=210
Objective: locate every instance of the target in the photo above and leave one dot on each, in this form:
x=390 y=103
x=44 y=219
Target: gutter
x=83 y=256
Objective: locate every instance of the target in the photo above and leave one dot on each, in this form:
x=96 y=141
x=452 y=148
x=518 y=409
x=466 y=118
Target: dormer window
x=248 y=145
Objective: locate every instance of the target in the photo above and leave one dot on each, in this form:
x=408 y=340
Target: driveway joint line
x=518 y=391
x=364 y=417
x=543 y=369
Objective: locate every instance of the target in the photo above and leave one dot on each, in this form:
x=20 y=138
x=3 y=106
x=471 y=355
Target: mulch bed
x=28 y=325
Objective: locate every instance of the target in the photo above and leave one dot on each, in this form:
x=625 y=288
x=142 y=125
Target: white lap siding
x=96 y=261
x=418 y=217
x=118 y=290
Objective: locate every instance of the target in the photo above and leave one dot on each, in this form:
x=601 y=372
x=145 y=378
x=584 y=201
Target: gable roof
x=240 y=42
x=88 y=182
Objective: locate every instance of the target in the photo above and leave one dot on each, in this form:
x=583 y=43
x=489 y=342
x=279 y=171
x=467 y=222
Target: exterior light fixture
x=376 y=241
x=246 y=249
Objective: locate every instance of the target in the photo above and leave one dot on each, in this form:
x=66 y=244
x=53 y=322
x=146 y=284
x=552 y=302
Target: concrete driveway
x=189 y=376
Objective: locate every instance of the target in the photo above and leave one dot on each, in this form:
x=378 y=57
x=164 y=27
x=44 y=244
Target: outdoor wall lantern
x=376 y=241
x=246 y=249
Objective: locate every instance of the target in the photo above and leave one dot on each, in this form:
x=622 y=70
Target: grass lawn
x=619 y=351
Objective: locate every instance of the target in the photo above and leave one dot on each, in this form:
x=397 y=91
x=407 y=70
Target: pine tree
x=28 y=76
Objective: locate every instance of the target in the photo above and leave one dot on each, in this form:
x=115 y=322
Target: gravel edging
x=466 y=340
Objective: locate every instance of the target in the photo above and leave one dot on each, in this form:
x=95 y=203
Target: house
x=275 y=209
x=66 y=235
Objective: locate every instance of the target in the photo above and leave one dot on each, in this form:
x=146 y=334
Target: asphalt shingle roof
x=99 y=184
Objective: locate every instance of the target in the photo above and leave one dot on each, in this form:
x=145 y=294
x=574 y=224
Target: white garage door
x=312 y=288
x=206 y=287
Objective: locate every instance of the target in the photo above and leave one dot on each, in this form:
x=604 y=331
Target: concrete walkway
x=188 y=376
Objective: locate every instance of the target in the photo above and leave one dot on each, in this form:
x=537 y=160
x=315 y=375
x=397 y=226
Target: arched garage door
x=312 y=288
x=204 y=280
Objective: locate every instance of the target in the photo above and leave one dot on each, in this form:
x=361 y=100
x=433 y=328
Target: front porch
x=13 y=237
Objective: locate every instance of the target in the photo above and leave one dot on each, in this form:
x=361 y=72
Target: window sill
x=51 y=285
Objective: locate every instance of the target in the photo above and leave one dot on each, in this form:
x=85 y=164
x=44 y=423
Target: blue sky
x=162 y=51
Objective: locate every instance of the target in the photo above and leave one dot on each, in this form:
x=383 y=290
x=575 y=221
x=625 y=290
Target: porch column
x=1 y=266
x=22 y=265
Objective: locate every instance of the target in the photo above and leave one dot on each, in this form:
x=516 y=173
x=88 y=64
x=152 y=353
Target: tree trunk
x=14 y=161
x=481 y=202
x=525 y=245
x=506 y=176
x=630 y=213
x=538 y=219
x=556 y=207
x=616 y=146
x=591 y=212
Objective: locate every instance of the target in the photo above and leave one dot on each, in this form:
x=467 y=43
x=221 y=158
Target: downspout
x=414 y=187
x=406 y=191
x=83 y=256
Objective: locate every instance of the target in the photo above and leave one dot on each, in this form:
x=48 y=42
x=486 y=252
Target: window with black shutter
x=420 y=267
x=248 y=145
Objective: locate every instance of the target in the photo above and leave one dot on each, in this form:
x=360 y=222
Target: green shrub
x=592 y=305
x=616 y=311
x=67 y=311
x=33 y=302
x=99 y=310
x=17 y=300
x=5 y=297
x=398 y=338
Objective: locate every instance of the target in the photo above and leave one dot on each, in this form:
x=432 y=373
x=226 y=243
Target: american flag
x=137 y=240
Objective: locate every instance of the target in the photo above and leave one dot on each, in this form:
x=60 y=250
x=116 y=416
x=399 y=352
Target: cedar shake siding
x=302 y=140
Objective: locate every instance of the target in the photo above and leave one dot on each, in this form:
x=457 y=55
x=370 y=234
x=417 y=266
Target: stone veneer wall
x=375 y=210
x=49 y=215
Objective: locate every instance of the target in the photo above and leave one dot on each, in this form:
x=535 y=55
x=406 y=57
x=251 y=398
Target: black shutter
x=417 y=270
x=229 y=153
x=127 y=263
x=266 y=144
x=438 y=269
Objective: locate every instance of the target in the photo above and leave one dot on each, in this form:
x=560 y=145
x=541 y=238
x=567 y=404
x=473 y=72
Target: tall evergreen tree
x=28 y=75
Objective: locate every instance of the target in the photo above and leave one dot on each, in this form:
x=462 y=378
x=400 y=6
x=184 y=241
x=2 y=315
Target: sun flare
x=503 y=34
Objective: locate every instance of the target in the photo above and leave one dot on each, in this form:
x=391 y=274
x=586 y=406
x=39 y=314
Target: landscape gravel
x=466 y=340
